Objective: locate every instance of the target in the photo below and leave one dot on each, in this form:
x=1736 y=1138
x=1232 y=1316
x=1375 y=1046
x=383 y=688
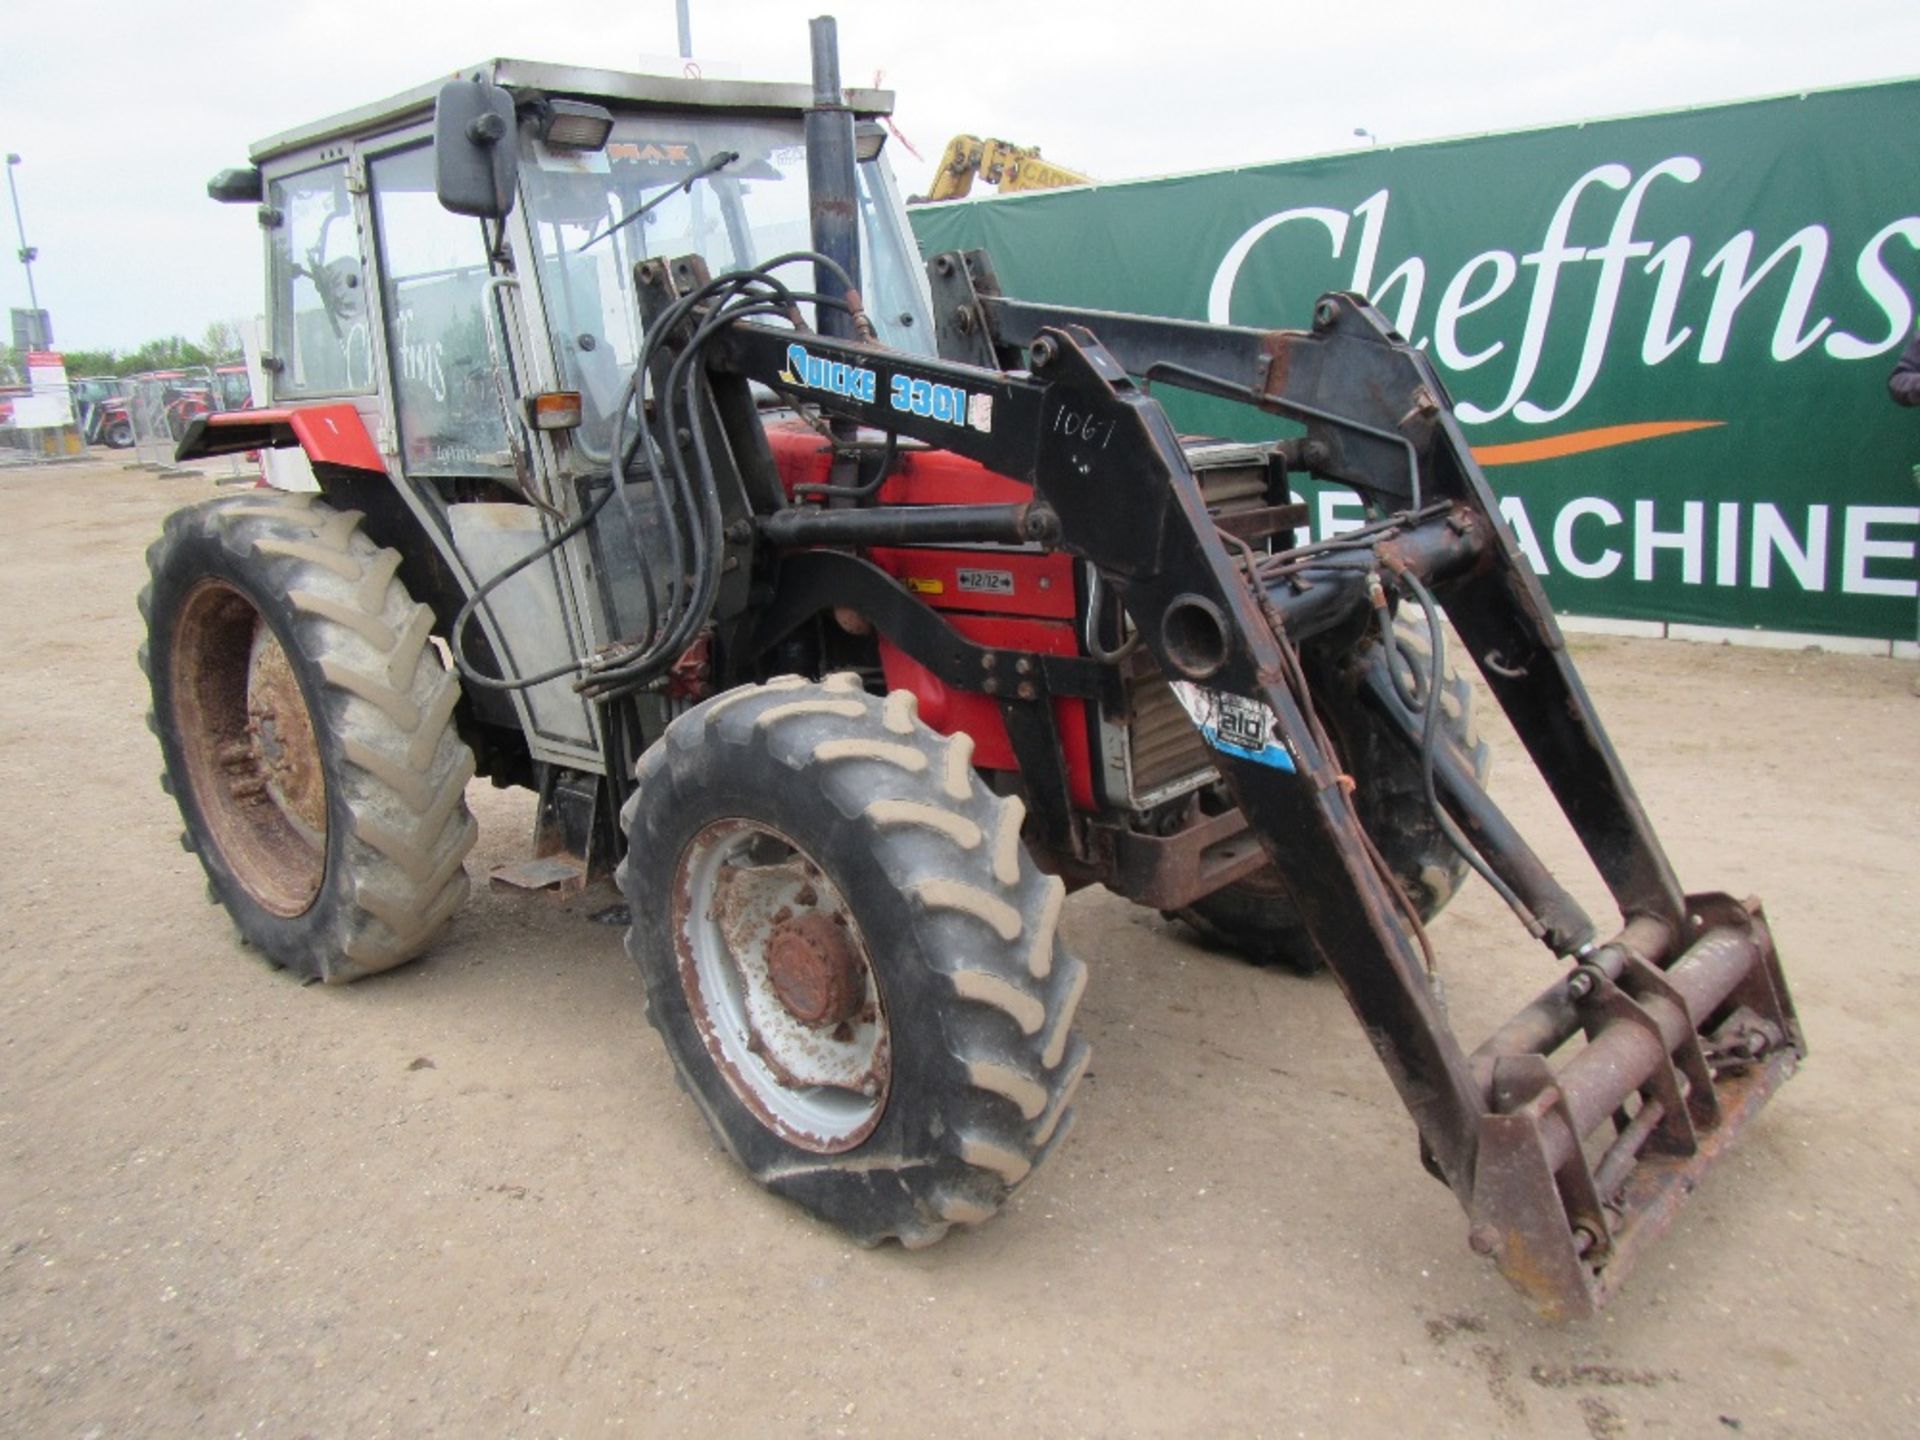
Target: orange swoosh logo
x=1578 y=442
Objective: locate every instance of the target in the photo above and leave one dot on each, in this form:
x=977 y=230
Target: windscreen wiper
x=719 y=162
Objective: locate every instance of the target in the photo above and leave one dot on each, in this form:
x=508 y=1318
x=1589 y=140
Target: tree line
x=218 y=345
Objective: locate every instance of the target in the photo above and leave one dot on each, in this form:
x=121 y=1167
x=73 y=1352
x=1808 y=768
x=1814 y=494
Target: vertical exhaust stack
x=832 y=189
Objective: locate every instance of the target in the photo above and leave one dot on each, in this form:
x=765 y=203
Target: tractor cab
x=468 y=363
x=443 y=331
x=231 y=388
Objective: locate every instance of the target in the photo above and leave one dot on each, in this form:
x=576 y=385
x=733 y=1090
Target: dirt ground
x=466 y=1197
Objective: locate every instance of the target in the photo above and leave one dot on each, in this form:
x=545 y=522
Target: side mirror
x=474 y=149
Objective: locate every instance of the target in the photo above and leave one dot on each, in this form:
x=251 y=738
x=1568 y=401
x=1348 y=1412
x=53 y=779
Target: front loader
x=854 y=623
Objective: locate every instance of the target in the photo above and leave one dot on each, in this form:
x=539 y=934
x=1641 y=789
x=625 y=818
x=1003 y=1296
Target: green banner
x=1668 y=336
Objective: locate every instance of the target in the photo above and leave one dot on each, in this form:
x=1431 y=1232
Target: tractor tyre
x=1254 y=918
x=119 y=435
x=852 y=959
x=306 y=726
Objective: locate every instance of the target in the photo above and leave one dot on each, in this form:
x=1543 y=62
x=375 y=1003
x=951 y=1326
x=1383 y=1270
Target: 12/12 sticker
x=985 y=582
x=1236 y=725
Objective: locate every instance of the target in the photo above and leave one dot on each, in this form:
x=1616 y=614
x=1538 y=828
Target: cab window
x=320 y=326
x=434 y=275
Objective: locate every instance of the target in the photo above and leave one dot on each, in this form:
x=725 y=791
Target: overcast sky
x=121 y=109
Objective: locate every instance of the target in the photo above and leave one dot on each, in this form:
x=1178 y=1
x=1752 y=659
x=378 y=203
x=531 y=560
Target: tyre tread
x=987 y=928
x=385 y=704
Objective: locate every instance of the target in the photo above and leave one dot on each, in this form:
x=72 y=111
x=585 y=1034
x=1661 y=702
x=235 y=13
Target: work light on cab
x=575 y=125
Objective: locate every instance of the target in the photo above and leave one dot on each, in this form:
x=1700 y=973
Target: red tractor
x=101 y=401
x=853 y=614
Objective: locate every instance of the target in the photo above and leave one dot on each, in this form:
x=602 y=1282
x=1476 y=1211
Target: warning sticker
x=1236 y=725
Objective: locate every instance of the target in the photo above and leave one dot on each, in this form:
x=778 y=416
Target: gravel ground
x=466 y=1197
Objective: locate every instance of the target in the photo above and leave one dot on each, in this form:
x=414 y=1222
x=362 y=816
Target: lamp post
x=27 y=256
x=1365 y=134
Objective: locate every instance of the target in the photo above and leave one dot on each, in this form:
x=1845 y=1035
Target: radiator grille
x=1165 y=748
x=1165 y=755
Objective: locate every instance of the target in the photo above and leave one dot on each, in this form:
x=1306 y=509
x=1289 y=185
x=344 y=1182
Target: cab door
x=458 y=361
x=320 y=344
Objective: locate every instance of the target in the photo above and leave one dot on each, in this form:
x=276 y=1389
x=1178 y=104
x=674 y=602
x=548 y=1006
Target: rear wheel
x=306 y=727
x=1254 y=918
x=853 y=961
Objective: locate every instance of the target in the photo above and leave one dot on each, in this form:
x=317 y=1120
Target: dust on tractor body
x=852 y=614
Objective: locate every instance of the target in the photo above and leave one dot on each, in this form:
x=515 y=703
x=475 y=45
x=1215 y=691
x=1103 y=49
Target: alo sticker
x=1236 y=725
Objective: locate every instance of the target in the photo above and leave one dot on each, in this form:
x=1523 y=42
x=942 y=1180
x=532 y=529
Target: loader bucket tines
x=1695 y=1042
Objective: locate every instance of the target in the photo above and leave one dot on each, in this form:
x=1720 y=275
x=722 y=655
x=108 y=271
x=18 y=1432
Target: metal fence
x=146 y=408
x=161 y=404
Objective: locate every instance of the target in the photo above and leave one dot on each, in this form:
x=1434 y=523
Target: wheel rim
x=781 y=986
x=251 y=755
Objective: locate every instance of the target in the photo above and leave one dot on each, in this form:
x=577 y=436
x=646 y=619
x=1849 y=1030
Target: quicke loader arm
x=1674 y=1031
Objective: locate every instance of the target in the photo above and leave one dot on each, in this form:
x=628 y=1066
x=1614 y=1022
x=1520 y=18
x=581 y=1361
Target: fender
x=330 y=434
x=353 y=475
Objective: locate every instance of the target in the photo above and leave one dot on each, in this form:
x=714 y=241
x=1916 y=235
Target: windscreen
x=654 y=192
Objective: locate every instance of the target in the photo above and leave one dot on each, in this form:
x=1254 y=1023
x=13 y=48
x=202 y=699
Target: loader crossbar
x=1667 y=1037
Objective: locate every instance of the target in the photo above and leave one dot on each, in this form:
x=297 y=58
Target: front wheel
x=853 y=962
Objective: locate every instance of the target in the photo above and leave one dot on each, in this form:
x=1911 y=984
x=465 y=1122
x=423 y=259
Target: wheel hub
x=248 y=748
x=284 y=751
x=781 y=985
x=815 y=970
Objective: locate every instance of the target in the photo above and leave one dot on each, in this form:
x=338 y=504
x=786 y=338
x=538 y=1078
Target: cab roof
x=614 y=87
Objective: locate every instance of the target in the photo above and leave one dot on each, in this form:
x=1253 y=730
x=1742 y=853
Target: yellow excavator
x=1000 y=163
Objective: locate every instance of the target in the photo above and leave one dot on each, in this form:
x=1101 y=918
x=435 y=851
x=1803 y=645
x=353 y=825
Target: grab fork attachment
x=1680 y=1051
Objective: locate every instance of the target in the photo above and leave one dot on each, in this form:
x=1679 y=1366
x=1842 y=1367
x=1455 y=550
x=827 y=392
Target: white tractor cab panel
x=378 y=298
x=439 y=329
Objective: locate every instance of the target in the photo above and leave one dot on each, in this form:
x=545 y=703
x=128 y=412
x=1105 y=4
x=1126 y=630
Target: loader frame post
x=833 y=212
x=833 y=201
